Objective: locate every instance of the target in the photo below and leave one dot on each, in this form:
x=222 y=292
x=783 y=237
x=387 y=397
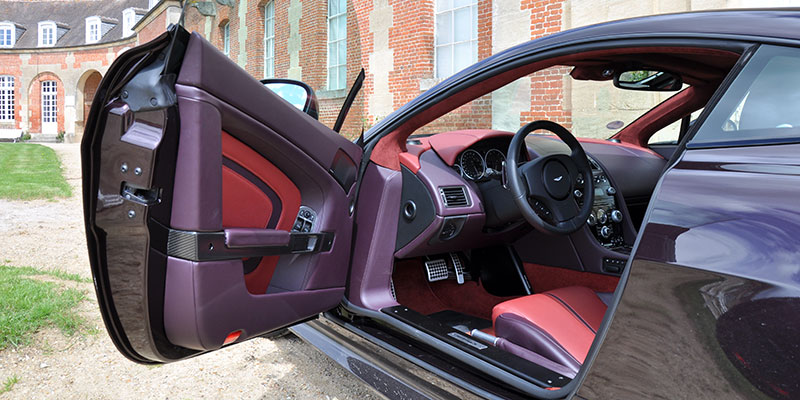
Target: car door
x=215 y=211
x=711 y=297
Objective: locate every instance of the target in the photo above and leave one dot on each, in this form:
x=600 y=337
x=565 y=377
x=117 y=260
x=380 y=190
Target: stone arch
x=35 y=101
x=85 y=90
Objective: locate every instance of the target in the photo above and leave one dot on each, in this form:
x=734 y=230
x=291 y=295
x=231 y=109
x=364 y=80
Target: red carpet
x=414 y=291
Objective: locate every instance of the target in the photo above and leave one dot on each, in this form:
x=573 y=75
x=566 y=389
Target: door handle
x=237 y=243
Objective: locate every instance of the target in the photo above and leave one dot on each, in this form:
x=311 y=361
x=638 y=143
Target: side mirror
x=642 y=79
x=296 y=93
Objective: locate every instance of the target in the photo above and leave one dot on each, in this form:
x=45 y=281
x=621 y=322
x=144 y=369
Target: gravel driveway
x=49 y=235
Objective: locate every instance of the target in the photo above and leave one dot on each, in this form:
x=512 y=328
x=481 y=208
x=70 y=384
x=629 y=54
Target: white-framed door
x=49 y=107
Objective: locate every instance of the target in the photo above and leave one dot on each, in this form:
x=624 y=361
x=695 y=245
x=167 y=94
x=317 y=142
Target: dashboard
x=460 y=174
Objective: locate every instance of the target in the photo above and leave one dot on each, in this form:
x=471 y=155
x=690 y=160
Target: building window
x=269 y=40
x=456 y=36
x=337 y=44
x=6 y=98
x=226 y=38
x=47 y=34
x=128 y=21
x=49 y=106
x=7 y=35
x=92 y=29
x=152 y=3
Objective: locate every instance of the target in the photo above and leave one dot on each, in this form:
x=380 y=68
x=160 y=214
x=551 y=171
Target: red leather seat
x=558 y=324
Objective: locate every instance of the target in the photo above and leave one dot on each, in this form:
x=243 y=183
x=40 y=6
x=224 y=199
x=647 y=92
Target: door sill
x=421 y=338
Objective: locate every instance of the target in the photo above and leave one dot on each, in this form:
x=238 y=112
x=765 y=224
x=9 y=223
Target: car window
x=589 y=109
x=762 y=104
x=671 y=133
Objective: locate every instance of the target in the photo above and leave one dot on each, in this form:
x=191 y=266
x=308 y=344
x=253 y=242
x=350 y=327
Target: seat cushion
x=559 y=324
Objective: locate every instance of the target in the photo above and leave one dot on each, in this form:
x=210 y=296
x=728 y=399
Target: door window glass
x=762 y=104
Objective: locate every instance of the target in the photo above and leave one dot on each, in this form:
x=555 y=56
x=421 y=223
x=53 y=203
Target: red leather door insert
x=255 y=194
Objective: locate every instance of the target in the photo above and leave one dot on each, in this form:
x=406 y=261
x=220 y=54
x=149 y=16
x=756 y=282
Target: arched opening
x=87 y=86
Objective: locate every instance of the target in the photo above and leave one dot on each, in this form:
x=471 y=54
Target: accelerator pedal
x=458 y=267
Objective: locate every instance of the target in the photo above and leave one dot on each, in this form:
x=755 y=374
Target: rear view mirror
x=654 y=81
x=296 y=93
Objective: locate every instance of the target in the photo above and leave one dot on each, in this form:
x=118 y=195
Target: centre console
x=605 y=220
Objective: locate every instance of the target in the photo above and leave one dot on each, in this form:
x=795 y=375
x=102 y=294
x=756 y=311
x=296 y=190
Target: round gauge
x=472 y=165
x=494 y=160
x=458 y=169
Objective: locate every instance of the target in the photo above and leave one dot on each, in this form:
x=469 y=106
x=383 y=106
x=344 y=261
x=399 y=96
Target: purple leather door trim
x=206 y=301
x=252 y=237
x=197 y=199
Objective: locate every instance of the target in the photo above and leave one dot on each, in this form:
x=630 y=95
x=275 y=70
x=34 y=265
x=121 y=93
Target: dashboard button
x=578 y=194
x=616 y=216
x=605 y=232
x=611 y=191
x=592 y=221
x=602 y=217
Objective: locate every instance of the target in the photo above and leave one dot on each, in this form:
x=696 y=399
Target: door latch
x=144 y=196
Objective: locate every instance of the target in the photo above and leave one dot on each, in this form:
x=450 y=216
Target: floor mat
x=462 y=322
x=414 y=291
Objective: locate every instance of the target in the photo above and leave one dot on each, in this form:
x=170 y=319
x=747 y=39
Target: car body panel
x=721 y=237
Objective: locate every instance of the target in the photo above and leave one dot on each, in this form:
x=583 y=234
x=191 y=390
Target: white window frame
x=12 y=34
x=93 y=30
x=7 y=100
x=451 y=46
x=226 y=38
x=152 y=3
x=53 y=37
x=128 y=21
x=333 y=79
x=269 y=40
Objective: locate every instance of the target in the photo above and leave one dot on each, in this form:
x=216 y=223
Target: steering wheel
x=553 y=183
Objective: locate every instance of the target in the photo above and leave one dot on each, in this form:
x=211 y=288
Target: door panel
x=231 y=220
x=705 y=312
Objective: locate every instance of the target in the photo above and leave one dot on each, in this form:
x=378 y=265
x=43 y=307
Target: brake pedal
x=436 y=270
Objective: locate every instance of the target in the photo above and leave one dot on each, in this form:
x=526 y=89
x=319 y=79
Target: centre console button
x=602 y=217
x=616 y=216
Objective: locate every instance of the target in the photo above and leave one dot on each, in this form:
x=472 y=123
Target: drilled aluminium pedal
x=436 y=270
x=458 y=268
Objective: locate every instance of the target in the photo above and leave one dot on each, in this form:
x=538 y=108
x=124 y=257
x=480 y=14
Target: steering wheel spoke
x=552 y=181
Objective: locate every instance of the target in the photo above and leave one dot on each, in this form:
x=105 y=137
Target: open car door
x=215 y=211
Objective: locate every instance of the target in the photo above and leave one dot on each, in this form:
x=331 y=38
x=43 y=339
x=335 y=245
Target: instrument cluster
x=481 y=163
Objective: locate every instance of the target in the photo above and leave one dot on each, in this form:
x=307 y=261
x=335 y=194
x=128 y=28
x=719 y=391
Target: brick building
x=54 y=53
x=405 y=47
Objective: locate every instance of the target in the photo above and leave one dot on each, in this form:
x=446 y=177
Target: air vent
x=454 y=196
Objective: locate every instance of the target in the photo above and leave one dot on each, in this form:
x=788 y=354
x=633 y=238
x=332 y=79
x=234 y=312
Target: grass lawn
x=28 y=304
x=30 y=171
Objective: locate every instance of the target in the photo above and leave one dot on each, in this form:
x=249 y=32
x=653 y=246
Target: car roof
x=745 y=25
